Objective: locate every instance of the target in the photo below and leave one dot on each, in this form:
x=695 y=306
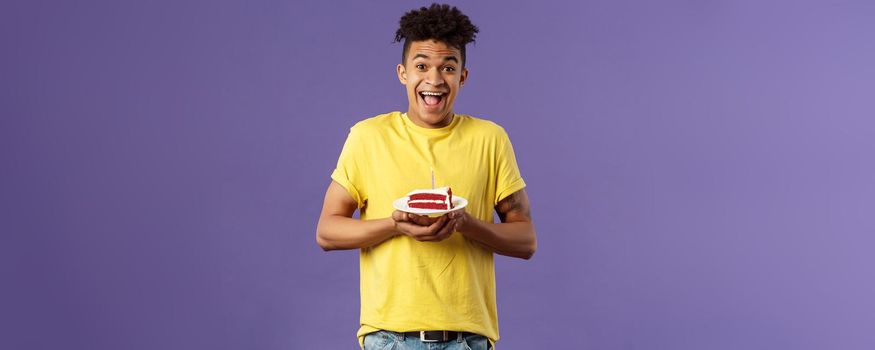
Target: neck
x=445 y=120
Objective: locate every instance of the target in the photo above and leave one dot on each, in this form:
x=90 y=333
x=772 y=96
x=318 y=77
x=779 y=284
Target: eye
x=420 y=66
x=449 y=69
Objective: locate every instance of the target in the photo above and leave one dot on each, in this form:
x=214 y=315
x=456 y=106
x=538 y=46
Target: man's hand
x=427 y=229
x=514 y=236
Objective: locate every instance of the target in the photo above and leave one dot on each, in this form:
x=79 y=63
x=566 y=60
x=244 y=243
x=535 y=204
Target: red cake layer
x=441 y=199
x=427 y=197
x=428 y=205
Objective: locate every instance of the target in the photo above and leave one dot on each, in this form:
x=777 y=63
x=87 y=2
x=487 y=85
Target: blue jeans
x=384 y=340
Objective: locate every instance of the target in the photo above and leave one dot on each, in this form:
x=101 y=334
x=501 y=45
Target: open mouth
x=432 y=98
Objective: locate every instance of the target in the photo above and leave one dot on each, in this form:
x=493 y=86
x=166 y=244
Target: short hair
x=439 y=22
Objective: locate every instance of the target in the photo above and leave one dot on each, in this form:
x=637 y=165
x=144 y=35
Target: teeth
x=432 y=93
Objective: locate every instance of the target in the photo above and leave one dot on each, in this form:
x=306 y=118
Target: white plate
x=401 y=204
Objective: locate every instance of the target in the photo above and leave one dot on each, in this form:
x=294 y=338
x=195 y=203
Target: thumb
x=399 y=216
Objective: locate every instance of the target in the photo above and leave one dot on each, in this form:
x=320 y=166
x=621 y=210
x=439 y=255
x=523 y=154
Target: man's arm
x=338 y=230
x=514 y=236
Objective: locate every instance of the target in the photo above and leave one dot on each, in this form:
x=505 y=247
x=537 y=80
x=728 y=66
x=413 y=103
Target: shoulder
x=376 y=124
x=482 y=126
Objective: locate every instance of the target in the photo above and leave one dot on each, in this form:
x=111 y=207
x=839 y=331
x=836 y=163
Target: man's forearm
x=516 y=239
x=339 y=232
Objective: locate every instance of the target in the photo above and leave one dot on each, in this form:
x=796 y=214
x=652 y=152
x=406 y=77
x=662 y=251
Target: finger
x=413 y=218
x=430 y=220
x=447 y=230
x=421 y=220
x=459 y=224
x=441 y=233
x=437 y=225
x=429 y=233
x=400 y=216
x=413 y=230
x=461 y=220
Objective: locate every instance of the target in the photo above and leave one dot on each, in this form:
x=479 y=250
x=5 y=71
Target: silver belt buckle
x=422 y=337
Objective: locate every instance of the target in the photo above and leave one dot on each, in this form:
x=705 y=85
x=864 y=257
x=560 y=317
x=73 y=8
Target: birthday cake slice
x=438 y=198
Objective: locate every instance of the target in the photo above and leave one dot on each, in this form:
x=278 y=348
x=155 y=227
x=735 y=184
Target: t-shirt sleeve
x=508 y=179
x=348 y=172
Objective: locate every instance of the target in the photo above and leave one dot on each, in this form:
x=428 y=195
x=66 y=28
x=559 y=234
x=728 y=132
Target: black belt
x=434 y=336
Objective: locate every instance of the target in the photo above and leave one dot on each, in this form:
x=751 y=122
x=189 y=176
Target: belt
x=434 y=336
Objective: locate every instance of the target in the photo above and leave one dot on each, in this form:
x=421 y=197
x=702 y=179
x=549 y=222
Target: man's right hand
x=423 y=228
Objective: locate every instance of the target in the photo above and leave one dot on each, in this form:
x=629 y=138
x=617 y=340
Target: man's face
x=433 y=74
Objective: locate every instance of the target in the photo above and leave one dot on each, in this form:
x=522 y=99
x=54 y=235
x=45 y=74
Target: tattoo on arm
x=516 y=204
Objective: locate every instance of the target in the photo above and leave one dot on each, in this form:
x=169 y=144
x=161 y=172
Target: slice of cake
x=438 y=198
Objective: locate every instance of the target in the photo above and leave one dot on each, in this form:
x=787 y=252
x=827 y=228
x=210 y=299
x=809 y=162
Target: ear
x=463 y=77
x=402 y=74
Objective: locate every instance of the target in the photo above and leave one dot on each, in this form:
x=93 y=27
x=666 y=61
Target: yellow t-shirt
x=407 y=285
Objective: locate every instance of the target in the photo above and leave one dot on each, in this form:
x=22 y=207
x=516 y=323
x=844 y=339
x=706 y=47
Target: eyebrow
x=446 y=58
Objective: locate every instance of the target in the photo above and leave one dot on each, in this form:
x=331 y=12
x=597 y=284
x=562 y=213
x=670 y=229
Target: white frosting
x=428 y=201
x=442 y=190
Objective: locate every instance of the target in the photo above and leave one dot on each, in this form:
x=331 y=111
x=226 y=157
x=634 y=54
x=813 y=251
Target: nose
x=434 y=77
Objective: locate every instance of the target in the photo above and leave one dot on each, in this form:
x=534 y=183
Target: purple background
x=701 y=172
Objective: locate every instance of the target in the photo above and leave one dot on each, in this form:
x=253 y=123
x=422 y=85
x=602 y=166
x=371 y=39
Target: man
x=428 y=280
